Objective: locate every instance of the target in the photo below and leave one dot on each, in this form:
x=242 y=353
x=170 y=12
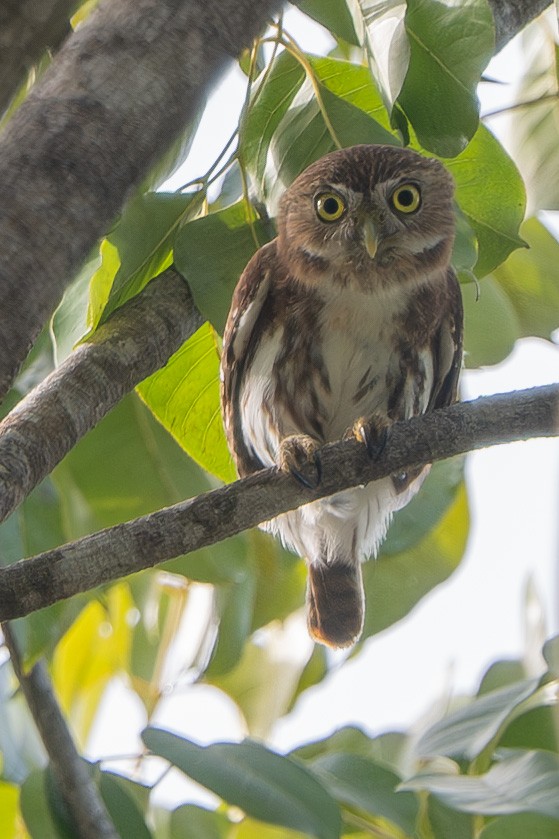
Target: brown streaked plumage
x=349 y=320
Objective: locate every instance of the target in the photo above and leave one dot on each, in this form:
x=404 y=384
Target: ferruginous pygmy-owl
x=349 y=320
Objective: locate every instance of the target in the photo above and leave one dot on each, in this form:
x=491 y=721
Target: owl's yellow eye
x=329 y=206
x=406 y=198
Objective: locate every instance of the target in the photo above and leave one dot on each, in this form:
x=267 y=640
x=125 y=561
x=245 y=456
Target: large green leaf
x=234 y=606
x=212 y=252
x=184 y=396
x=121 y=797
x=450 y=45
x=35 y=809
x=265 y=785
x=522 y=782
x=143 y=239
x=530 y=280
x=361 y=784
x=395 y=583
x=491 y=195
x=468 y=731
x=491 y=324
x=387 y=45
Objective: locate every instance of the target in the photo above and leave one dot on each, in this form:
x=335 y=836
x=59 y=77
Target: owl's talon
x=373 y=433
x=297 y=452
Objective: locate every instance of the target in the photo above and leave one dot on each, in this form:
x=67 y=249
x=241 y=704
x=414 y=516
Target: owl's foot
x=372 y=432
x=298 y=451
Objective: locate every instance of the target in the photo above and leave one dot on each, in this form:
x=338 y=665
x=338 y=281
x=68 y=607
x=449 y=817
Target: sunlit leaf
x=213 y=271
x=264 y=784
x=184 y=396
x=9 y=809
x=143 y=239
x=450 y=45
x=520 y=782
x=94 y=649
x=395 y=583
x=251 y=829
x=388 y=45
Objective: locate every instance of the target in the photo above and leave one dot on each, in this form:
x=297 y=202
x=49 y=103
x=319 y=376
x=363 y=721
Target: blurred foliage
x=403 y=73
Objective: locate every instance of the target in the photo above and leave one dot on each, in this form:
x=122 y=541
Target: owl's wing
x=448 y=348
x=240 y=340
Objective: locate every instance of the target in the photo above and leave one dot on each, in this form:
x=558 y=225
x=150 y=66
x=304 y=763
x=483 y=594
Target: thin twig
x=85 y=806
x=126 y=548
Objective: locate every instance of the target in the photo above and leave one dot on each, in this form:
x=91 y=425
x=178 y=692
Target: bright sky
x=476 y=617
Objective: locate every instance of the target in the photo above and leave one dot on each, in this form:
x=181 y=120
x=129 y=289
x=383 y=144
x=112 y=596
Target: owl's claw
x=299 y=451
x=373 y=433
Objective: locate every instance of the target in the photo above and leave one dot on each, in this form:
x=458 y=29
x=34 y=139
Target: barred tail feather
x=335 y=603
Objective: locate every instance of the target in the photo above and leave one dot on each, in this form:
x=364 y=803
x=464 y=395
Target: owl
x=350 y=320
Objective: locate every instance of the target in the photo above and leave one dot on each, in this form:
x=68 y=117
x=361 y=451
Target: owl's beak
x=370 y=236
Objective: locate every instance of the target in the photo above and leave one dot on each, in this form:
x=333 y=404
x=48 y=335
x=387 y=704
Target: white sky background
x=478 y=616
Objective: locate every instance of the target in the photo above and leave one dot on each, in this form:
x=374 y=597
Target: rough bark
x=135 y=342
x=513 y=15
x=85 y=806
x=112 y=553
x=27 y=29
x=120 y=91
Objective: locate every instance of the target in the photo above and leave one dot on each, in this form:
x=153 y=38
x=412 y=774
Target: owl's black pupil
x=405 y=197
x=331 y=206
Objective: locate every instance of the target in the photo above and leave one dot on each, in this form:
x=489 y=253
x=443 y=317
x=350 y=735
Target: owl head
x=370 y=214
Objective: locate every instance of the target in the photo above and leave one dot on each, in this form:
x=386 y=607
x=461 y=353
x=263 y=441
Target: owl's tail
x=335 y=603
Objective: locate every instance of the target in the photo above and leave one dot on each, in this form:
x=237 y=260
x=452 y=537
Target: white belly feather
x=356 y=337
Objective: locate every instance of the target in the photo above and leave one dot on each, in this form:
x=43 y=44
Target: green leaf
x=234 y=606
x=395 y=583
x=21 y=749
x=9 y=811
x=450 y=45
x=143 y=238
x=523 y=782
x=491 y=324
x=212 y=252
x=468 y=731
x=520 y=827
x=123 y=807
x=551 y=655
x=428 y=507
x=197 y=823
x=386 y=750
x=359 y=783
x=336 y=16
x=69 y=322
x=387 y=45
x=267 y=106
x=491 y=195
x=449 y=824
x=35 y=808
x=184 y=396
x=530 y=280
x=265 y=785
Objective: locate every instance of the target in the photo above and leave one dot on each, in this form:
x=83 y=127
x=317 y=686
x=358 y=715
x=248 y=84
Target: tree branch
x=135 y=342
x=513 y=15
x=85 y=806
x=26 y=31
x=122 y=88
x=117 y=551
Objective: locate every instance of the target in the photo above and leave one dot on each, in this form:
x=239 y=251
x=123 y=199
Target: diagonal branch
x=135 y=342
x=112 y=553
x=121 y=90
x=85 y=806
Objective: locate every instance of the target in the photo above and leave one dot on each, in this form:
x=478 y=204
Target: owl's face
x=371 y=213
